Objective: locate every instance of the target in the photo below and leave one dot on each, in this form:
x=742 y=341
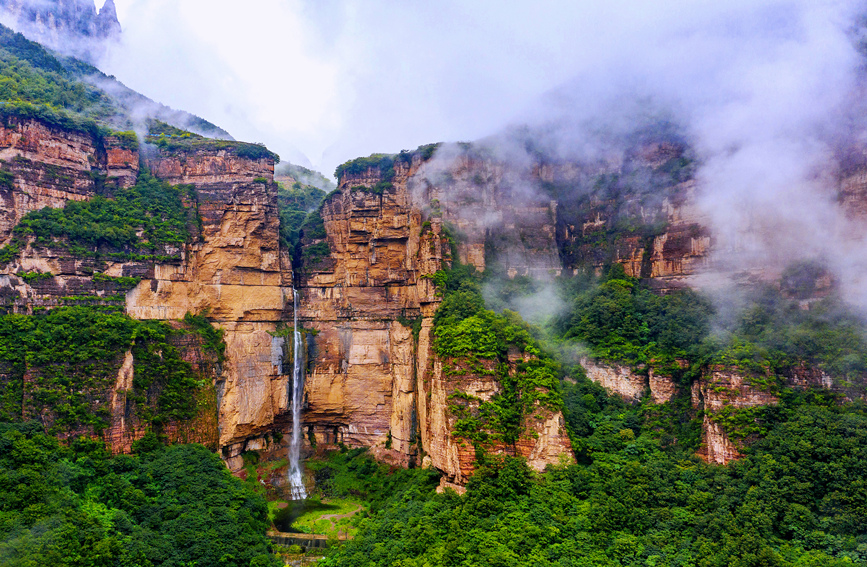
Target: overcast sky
x=333 y=80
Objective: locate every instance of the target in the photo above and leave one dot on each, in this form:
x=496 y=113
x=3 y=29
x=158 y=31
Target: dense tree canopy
x=796 y=499
x=77 y=505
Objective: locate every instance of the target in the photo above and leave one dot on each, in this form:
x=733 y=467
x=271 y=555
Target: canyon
x=371 y=380
x=367 y=298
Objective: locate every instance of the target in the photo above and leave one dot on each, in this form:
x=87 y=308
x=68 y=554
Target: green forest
x=796 y=499
x=75 y=504
x=638 y=495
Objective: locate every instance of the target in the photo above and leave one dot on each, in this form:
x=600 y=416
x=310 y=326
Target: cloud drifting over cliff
x=351 y=77
x=341 y=79
x=336 y=80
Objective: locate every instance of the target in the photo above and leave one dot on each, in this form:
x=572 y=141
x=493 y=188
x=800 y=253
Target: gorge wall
x=233 y=268
x=640 y=210
x=366 y=303
x=547 y=217
x=365 y=277
x=373 y=378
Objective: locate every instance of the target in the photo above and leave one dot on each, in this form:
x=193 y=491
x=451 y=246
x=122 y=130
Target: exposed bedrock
x=367 y=296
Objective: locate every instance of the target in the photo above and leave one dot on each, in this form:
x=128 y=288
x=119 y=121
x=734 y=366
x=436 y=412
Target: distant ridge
x=72 y=27
x=102 y=97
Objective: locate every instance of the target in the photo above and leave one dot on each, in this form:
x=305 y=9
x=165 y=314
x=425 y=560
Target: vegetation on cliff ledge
x=622 y=321
x=61 y=366
x=474 y=341
x=174 y=139
x=383 y=164
x=295 y=205
x=138 y=222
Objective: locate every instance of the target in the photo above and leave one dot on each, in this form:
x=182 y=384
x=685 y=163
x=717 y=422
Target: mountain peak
x=72 y=27
x=107 y=24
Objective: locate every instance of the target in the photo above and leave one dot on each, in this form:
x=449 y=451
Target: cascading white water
x=296 y=480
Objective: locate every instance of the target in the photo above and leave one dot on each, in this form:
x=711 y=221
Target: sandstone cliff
x=373 y=377
x=498 y=211
x=50 y=165
x=364 y=276
x=233 y=268
x=638 y=210
x=366 y=297
x=718 y=394
x=631 y=383
x=544 y=217
x=543 y=440
x=238 y=274
x=719 y=391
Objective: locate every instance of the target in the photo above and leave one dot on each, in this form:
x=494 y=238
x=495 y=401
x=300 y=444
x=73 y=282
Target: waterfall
x=296 y=480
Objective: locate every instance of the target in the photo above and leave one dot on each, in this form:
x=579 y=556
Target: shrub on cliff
x=383 y=164
x=135 y=221
x=62 y=365
x=472 y=340
x=189 y=142
x=622 y=321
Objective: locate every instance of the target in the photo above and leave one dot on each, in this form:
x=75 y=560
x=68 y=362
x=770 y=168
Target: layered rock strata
x=498 y=212
x=233 y=269
x=237 y=274
x=50 y=166
x=543 y=441
x=719 y=388
x=631 y=383
x=361 y=385
x=367 y=295
x=373 y=377
x=652 y=226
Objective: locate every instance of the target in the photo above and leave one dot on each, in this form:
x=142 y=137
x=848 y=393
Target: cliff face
x=723 y=389
x=126 y=427
x=114 y=395
x=363 y=389
x=233 y=269
x=239 y=275
x=542 y=218
x=366 y=292
x=372 y=380
x=543 y=440
x=718 y=393
x=366 y=295
x=50 y=166
x=638 y=210
x=499 y=212
x=631 y=383
x=361 y=385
